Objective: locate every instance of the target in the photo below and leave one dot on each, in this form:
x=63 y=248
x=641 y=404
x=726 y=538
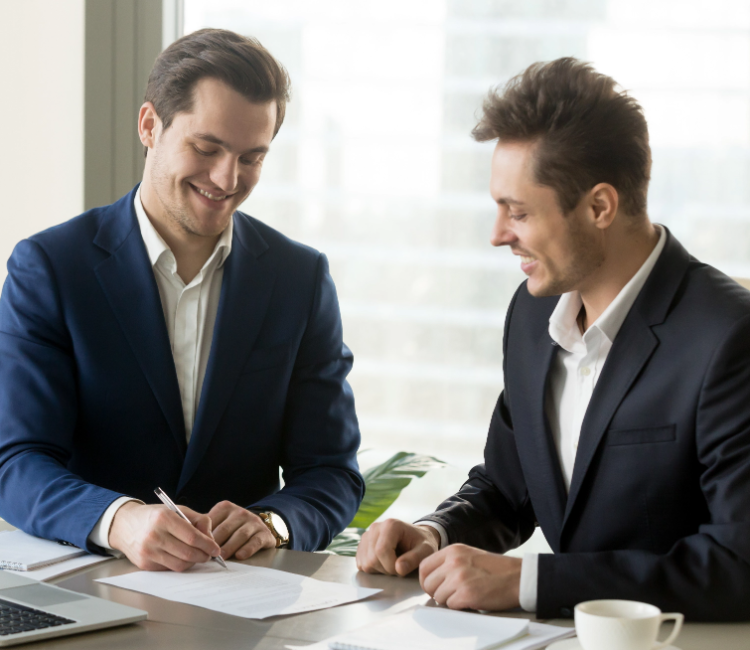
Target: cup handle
x=678 y=620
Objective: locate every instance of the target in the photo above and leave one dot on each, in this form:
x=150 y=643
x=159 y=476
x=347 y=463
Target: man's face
x=558 y=252
x=206 y=163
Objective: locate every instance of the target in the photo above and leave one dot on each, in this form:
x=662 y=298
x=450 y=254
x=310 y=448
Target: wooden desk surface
x=184 y=627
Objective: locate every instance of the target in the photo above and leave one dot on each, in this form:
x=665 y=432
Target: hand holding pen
x=170 y=504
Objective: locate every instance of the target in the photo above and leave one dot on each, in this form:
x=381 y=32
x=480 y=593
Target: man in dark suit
x=168 y=340
x=624 y=426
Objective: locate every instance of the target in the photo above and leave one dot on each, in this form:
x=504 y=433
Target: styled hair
x=239 y=61
x=586 y=131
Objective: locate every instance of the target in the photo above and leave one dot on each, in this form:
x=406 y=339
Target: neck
x=190 y=251
x=625 y=253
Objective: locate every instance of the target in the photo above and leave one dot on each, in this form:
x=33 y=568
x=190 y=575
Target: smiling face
x=200 y=169
x=559 y=252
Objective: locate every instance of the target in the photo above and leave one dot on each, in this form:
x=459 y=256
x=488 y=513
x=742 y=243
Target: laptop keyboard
x=16 y=618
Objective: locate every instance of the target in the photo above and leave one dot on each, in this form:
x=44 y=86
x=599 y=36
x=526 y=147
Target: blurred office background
x=375 y=166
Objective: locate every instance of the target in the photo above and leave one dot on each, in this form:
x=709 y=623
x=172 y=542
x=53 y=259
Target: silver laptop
x=32 y=610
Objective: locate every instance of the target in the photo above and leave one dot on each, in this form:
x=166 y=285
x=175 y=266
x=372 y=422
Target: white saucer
x=572 y=644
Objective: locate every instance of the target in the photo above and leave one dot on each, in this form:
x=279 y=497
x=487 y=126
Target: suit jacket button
x=565 y=612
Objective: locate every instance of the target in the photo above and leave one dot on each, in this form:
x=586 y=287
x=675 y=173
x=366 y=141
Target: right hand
x=154 y=538
x=394 y=547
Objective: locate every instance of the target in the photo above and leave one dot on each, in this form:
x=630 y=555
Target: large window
x=375 y=167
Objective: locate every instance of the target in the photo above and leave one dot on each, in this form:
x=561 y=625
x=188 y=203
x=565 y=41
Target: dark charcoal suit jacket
x=90 y=406
x=659 y=504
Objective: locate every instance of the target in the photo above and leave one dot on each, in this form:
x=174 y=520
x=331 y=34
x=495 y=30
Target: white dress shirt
x=572 y=379
x=190 y=314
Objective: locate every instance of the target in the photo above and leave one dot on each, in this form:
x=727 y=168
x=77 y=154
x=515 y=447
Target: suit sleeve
x=322 y=484
x=492 y=510
x=38 y=402
x=705 y=575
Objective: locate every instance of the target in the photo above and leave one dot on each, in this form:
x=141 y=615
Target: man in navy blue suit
x=168 y=340
x=623 y=429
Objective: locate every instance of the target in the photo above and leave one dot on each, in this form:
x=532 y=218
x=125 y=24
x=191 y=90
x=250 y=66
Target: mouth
x=527 y=263
x=213 y=200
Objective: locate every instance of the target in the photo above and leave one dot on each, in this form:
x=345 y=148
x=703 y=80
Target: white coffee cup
x=622 y=625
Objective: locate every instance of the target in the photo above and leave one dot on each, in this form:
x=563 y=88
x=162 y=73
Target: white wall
x=41 y=117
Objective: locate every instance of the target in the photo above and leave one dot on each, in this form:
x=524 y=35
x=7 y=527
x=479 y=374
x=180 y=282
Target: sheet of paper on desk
x=435 y=628
x=247 y=591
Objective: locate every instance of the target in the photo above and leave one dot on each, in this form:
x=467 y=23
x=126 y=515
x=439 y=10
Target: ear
x=603 y=202
x=149 y=125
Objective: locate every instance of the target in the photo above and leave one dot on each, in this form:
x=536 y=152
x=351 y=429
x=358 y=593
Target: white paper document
x=436 y=628
x=241 y=590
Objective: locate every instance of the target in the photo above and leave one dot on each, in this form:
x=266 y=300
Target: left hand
x=239 y=532
x=463 y=577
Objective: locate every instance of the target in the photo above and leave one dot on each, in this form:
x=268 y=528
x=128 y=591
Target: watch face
x=279 y=525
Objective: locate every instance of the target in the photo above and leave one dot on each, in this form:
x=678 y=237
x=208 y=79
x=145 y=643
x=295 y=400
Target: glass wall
x=375 y=167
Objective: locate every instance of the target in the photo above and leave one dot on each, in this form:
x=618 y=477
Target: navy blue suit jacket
x=659 y=503
x=91 y=406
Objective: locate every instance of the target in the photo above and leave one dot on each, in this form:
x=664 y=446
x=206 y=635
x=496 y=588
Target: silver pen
x=170 y=504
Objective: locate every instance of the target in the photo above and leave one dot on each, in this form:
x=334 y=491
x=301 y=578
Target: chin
x=543 y=290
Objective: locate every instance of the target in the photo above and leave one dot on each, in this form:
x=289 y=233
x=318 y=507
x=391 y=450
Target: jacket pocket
x=667 y=433
x=263 y=358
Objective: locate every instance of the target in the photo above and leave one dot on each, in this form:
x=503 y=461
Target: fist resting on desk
x=154 y=538
x=459 y=576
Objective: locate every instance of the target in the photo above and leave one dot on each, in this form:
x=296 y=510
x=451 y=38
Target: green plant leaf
x=384 y=482
x=346 y=542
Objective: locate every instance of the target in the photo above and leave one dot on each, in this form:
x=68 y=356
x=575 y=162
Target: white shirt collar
x=563 y=322
x=156 y=246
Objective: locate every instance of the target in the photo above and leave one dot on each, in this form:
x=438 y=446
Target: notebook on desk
x=22 y=552
x=432 y=628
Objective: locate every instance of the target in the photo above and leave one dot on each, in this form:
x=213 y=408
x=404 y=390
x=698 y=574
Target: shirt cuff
x=100 y=534
x=529 y=574
x=438 y=528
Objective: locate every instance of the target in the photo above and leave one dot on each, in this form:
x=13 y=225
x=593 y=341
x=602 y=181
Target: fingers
x=221 y=511
x=411 y=560
x=428 y=567
x=258 y=541
x=153 y=537
x=202 y=522
x=394 y=547
x=240 y=533
x=186 y=539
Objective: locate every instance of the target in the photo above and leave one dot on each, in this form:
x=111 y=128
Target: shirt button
x=585 y=371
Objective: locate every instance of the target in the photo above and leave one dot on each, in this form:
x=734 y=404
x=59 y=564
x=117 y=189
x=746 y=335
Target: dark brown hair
x=587 y=131
x=239 y=61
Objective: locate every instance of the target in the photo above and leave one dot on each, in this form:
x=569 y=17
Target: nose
x=502 y=234
x=224 y=173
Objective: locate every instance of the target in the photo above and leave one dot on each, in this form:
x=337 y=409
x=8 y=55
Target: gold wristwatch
x=276 y=525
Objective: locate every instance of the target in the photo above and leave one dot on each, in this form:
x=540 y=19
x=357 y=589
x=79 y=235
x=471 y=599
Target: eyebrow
x=508 y=201
x=207 y=137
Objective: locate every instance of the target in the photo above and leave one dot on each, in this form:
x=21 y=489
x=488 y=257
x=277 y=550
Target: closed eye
x=518 y=217
x=203 y=153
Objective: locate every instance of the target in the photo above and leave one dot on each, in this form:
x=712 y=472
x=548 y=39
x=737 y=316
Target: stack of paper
x=241 y=590
x=436 y=628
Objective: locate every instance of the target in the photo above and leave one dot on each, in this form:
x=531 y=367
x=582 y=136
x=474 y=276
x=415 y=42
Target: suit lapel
x=631 y=350
x=128 y=282
x=245 y=293
x=546 y=479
